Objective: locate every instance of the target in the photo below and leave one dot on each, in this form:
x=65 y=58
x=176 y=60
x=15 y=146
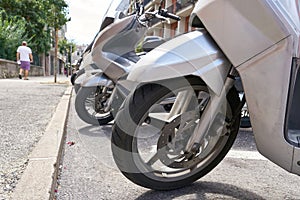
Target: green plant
x=12 y=32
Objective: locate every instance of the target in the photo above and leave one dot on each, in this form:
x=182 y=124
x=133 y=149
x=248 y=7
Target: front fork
x=101 y=95
x=214 y=108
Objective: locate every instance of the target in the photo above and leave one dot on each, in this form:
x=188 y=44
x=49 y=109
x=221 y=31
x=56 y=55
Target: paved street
x=88 y=172
x=25 y=110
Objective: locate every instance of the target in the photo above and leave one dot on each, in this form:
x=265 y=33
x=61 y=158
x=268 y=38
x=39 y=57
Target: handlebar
x=165 y=13
x=160 y=14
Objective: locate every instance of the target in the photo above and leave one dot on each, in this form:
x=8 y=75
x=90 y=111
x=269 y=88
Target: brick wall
x=10 y=69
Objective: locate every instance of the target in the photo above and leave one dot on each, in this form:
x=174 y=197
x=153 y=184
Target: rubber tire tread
x=122 y=142
x=83 y=114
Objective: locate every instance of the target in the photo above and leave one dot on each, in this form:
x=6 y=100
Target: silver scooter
x=166 y=147
x=86 y=65
x=114 y=53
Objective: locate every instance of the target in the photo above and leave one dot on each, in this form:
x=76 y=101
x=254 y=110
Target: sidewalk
x=32 y=118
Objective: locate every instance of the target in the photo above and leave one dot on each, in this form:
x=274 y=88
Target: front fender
x=98 y=79
x=194 y=53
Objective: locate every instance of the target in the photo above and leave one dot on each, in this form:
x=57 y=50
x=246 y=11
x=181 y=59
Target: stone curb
x=39 y=178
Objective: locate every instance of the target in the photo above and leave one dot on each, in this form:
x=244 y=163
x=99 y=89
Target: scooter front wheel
x=89 y=103
x=73 y=77
x=149 y=138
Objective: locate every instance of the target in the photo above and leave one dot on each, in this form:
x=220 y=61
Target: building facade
x=182 y=8
x=47 y=61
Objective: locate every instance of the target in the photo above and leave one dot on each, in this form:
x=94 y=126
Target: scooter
x=89 y=102
x=86 y=66
x=256 y=41
x=114 y=53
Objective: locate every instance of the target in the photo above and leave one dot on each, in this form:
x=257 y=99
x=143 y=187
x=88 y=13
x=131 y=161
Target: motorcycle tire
x=130 y=159
x=85 y=107
x=73 y=77
x=245 y=122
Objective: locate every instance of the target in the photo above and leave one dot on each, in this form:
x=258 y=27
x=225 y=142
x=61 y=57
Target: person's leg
x=26 y=75
x=20 y=73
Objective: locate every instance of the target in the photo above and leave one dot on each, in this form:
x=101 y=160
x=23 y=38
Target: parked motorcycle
x=86 y=66
x=114 y=53
x=182 y=110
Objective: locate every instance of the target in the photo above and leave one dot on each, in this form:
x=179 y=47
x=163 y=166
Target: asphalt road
x=88 y=172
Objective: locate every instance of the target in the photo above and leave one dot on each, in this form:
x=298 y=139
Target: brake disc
x=173 y=139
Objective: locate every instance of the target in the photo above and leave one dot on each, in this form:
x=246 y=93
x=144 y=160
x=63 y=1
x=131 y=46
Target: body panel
x=266 y=94
x=261 y=46
x=240 y=33
x=296 y=163
x=193 y=53
x=118 y=39
x=98 y=79
x=81 y=78
x=88 y=65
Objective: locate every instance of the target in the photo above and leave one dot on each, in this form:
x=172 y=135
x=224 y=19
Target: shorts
x=25 y=65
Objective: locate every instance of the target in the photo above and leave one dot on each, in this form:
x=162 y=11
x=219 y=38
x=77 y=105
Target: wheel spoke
x=153 y=159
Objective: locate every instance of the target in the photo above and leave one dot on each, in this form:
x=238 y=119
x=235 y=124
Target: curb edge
x=38 y=181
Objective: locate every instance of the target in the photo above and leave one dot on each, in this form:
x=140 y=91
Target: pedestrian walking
x=24 y=57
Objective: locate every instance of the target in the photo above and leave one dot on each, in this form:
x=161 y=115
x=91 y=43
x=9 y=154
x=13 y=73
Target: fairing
x=98 y=79
x=193 y=53
x=261 y=46
x=120 y=39
x=240 y=33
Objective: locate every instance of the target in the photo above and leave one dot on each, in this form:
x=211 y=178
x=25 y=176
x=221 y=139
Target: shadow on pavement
x=244 y=141
x=96 y=131
x=202 y=191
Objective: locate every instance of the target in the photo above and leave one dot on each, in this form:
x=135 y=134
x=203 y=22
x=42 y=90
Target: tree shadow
x=202 y=191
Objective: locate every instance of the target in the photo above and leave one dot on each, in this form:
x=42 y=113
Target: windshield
x=117 y=6
x=116 y=9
